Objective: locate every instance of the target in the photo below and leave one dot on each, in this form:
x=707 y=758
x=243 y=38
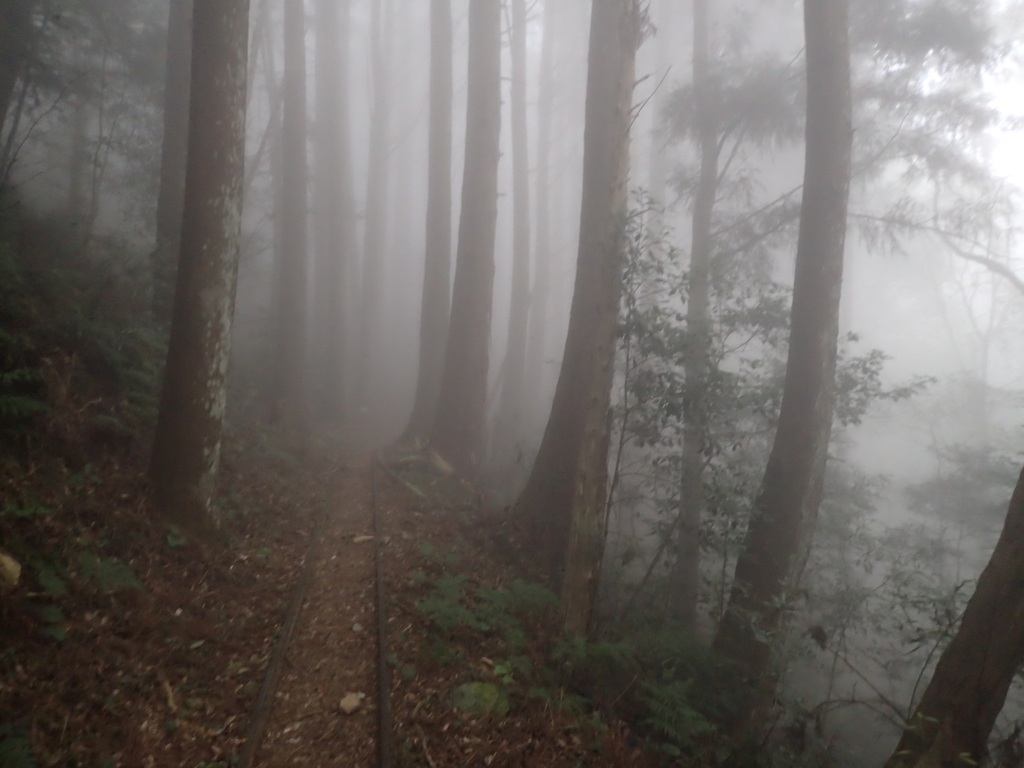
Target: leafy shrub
x=15 y=748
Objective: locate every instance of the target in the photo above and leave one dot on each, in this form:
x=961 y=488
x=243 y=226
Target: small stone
x=10 y=572
x=357 y=627
x=350 y=702
x=480 y=700
x=362 y=539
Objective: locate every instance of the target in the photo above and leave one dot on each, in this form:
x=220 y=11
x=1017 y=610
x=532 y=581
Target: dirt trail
x=333 y=652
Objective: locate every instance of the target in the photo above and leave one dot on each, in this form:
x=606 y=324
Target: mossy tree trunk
x=186 y=446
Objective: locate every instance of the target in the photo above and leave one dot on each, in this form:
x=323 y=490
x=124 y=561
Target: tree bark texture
x=562 y=487
x=684 y=575
x=541 y=290
x=291 y=273
x=78 y=164
x=375 y=233
x=173 y=157
x=952 y=723
x=657 y=165
x=437 y=263
x=273 y=83
x=509 y=423
x=614 y=39
x=334 y=206
x=186 y=446
x=17 y=37
x=459 y=425
x=777 y=541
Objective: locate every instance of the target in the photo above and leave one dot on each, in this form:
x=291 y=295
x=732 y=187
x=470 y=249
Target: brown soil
x=333 y=651
x=168 y=675
x=164 y=674
x=436 y=525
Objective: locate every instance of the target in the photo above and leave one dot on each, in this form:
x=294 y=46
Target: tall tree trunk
x=458 y=427
x=275 y=94
x=16 y=45
x=290 y=327
x=657 y=167
x=173 y=154
x=541 y=291
x=437 y=264
x=777 y=542
x=375 y=233
x=78 y=164
x=334 y=207
x=952 y=723
x=684 y=576
x=574 y=428
x=509 y=423
x=590 y=347
x=186 y=446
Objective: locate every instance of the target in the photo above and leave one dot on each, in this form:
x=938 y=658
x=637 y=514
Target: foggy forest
x=511 y=383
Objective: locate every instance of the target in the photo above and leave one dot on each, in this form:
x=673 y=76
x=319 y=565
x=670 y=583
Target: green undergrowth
x=667 y=685
x=79 y=365
x=80 y=356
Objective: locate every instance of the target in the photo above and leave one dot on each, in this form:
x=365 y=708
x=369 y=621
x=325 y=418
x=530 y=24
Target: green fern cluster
x=15 y=748
x=451 y=605
x=673 y=718
x=21 y=392
x=83 y=319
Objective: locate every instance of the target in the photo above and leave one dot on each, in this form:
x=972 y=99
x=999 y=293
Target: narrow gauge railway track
x=259 y=718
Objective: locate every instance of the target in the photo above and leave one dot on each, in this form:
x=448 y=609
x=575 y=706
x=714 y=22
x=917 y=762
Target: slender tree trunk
x=585 y=377
x=952 y=723
x=375 y=233
x=657 y=167
x=437 y=264
x=78 y=162
x=8 y=152
x=458 y=427
x=290 y=330
x=590 y=347
x=684 y=576
x=186 y=447
x=541 y=291
x=173 y=154
x=509 y=423
x=777 y=542
x=16 y=45
x=334 y=222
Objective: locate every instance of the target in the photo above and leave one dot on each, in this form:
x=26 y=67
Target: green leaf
x=55 y=632
x=54 y=629
x=50 y=581
x=175 y=539
x=51 y=614
x=108 y=573
x=16 y=751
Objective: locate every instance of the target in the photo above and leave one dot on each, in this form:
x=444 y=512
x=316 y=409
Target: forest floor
x=129 y=644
